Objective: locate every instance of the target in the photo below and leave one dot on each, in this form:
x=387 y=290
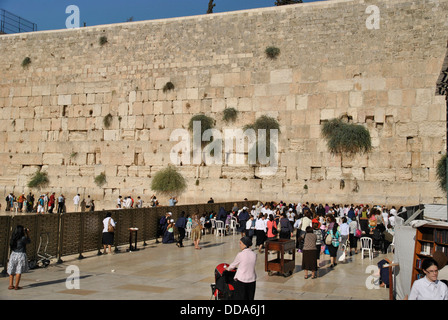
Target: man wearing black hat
x=245 y=276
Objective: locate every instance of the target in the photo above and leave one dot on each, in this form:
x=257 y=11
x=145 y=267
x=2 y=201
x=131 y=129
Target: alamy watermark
x=73 y=280
x=228 y=147
x=373 y=280
x=373 y=20
x=73 y=20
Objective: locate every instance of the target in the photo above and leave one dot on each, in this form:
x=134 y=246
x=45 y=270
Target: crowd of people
x=267 y=221
x=318 y=229
x=44 y=203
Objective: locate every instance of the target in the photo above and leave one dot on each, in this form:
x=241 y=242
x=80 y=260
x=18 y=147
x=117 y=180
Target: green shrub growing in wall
x=265 y=123
x=206 y=122
x=168 y=182
x=100 y=179
x=39 y=180
x=441 y=172
x=272 y=52
x=230 y=115
x=168 y=86
x=107 y=121
x=345 y=137
x=26 y=62
x=103 y=40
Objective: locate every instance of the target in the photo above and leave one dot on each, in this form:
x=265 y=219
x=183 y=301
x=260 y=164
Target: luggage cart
x=43 y=258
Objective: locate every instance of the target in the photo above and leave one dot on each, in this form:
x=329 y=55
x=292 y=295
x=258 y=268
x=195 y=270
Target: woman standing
x=18 y=261
x=352 y=238
x=344 y=230
x=245 y=276
x=309 y=259
x=108 y=232
x=260 y=231
x=196 y=232
x=181 y=224
x=168 y=237
x=305 y=223
x=333 y=247
x=318 y=232
x=272 y=228
x=286 y=230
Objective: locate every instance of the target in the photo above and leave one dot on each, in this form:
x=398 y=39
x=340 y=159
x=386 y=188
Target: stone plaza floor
x=166 y=272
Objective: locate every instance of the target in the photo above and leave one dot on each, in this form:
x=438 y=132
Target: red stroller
x=223 y=288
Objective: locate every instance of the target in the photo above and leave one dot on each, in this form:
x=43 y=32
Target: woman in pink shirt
x=270 y=225
x=245 y=276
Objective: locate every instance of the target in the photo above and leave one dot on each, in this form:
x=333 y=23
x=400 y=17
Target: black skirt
x=309 y=260
x=261 y=237
x=108 y=238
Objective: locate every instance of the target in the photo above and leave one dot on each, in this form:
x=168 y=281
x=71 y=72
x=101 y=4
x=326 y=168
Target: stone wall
x=331 y=64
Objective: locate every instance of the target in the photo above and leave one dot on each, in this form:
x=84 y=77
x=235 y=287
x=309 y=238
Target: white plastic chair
x=188 y=230
x=391 y=247
x=232 y=227
x=213 y=221
x=367 y=245
x=220 y=227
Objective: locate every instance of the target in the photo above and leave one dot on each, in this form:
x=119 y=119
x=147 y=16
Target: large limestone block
x=380 y=174
x=53 y=158
x=281 y=76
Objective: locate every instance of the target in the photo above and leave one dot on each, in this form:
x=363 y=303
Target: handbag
x=358 y=233
x=274 y=230
x=328 y=239
x=110 y=227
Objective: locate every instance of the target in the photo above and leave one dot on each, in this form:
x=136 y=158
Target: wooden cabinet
x=429 y=239
x=280 y=264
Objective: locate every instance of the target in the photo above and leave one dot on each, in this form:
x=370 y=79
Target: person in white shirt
x=108 y=234
x=260 y=231
x=128 y=202
x=429 y=287
x=393 y=211
x=385 y=217
x=139 y=202
x=250 y=227
x=290 y=215
x=76 y=200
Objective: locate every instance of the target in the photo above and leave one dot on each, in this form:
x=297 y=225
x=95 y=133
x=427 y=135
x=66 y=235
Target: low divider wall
x=58 y=235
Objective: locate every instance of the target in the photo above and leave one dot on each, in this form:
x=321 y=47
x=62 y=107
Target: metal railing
x=58 y=235
x=11 y=23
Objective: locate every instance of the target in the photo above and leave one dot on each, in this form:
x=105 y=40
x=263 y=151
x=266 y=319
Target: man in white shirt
x=128 y=202
x=76 y=200
x=385 y=217
x=290 y=215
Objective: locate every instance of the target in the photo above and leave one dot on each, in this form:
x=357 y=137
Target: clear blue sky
x=50 y=14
